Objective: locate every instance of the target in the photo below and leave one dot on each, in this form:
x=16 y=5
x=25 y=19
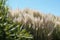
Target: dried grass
x=41 y=25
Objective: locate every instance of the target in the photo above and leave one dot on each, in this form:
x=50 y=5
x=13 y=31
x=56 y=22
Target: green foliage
x=8 y=29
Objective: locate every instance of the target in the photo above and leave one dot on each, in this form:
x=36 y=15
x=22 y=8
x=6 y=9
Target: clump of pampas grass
x=41 y=26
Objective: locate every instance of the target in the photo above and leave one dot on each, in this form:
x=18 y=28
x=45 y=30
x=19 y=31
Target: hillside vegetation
x=41 y=26
x=27 y=24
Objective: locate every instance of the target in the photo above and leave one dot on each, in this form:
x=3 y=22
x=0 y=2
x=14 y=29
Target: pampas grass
x=40 y=25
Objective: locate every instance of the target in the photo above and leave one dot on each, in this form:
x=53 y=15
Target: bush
x=8 y=29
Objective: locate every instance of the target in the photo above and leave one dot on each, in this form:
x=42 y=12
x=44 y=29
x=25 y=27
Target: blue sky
x=46 y=6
